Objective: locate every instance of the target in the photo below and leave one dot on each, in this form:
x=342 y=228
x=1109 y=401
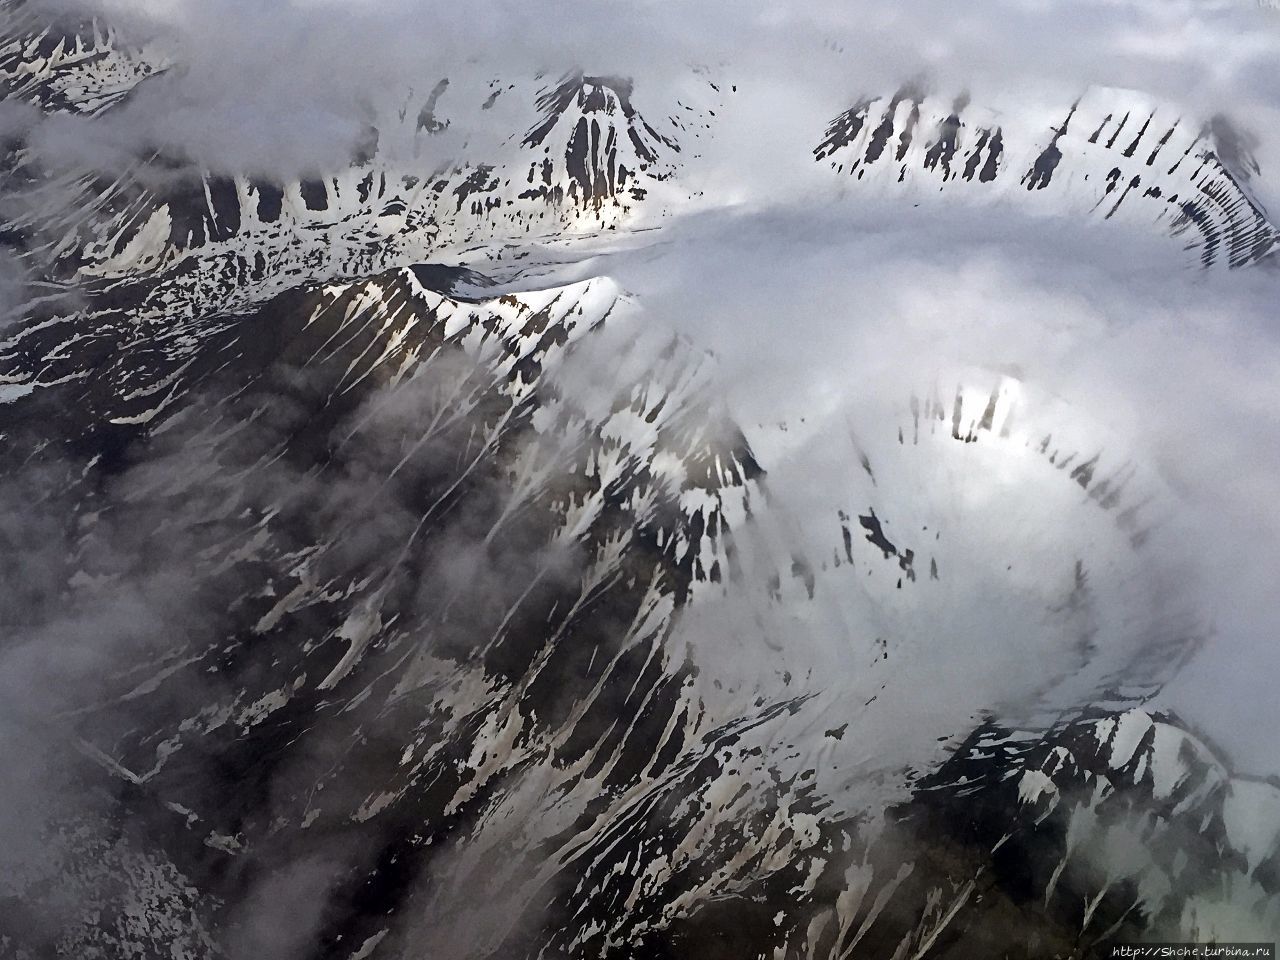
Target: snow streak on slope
x=1112 y=154
x=79 y=67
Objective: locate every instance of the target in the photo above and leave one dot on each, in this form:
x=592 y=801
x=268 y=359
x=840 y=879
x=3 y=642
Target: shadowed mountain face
x=415 y=574
x=386 y=615
x=364 y=598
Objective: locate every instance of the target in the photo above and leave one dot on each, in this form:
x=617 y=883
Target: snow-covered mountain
x=1111 y=154
x=580 y=162
x=383 y=597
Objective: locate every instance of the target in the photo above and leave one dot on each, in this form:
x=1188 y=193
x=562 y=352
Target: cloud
x=840 y=312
